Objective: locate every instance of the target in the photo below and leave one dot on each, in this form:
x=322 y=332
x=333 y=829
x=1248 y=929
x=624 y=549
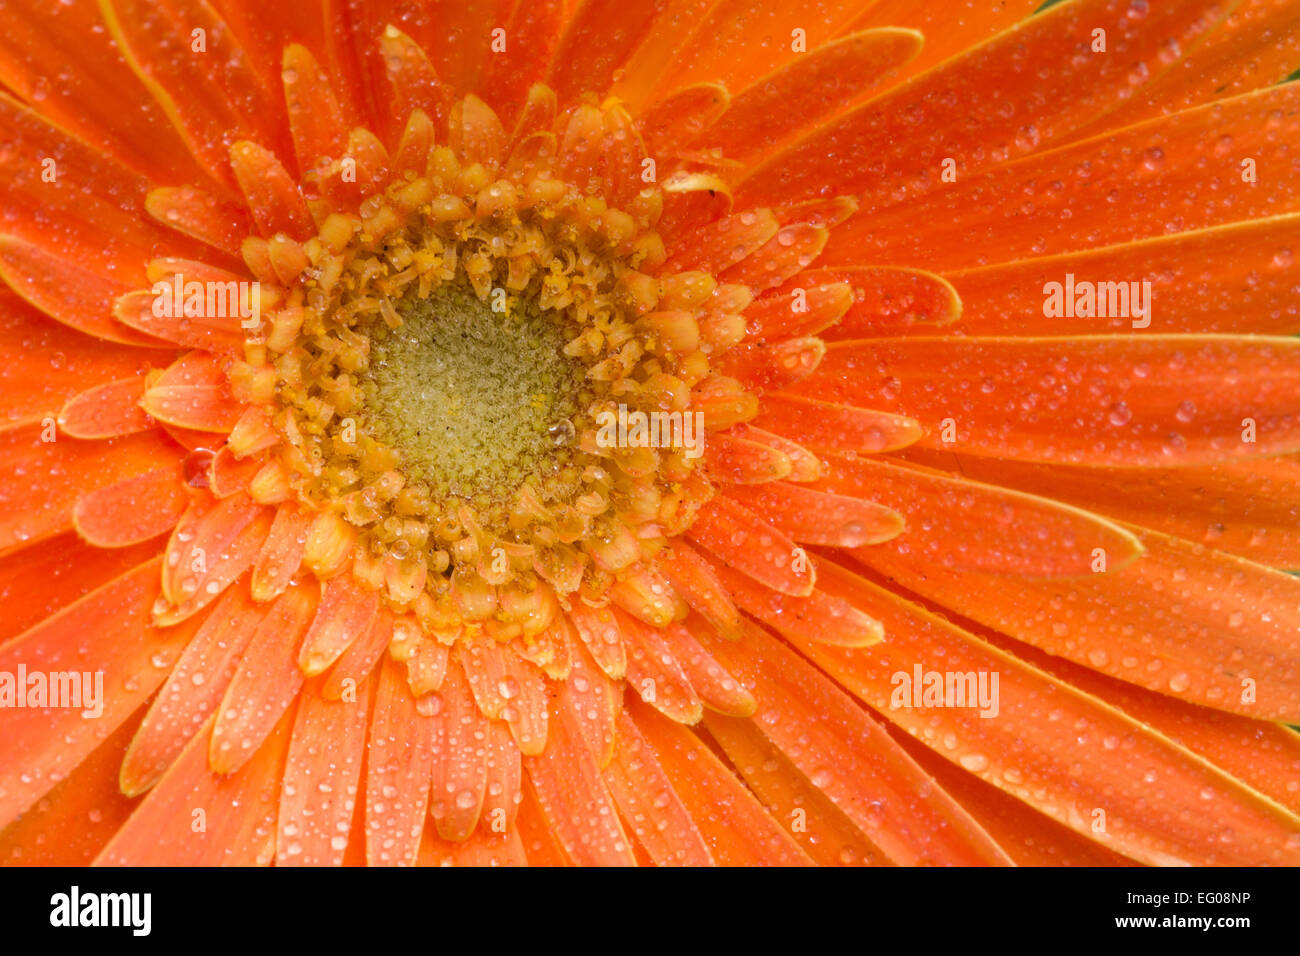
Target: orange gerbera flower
x=691 y=432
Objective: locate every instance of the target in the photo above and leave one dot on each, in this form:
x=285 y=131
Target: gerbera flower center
x=476 y=400
x=443 y=358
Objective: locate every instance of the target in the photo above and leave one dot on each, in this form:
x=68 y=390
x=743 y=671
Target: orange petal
x=194 y=393
x=800 y=307
x=265 y=684
x=52 y=363
x=359 y=660
x=1246 y=508
x=769 y=367
x=531 y=36
x=97 y=98
x=201 y=215
x=736 y=460
x=956 y=523
x=735 y=827
x=539 y=841
x=594 y=701
x=273 y=197
x=531 y=156
x=654 y=672
x=694 y=578
x=597 y=40
x=1233 y=278
x=675 y=121
x=106 y=411
x=399 y=761
x=574 y=799
x=548 y=649
x=691 y=201
x=1055 y=748
x=211 y=98
x=718 y=245
x=835 y=427
x=42 y=578
x=647 y=801
x=320 y=779
x=345 y=613
x=581 y=136
x=213 y=544
x=476 y=133
x=969 y=223
x=716 y=687
x=66 y=292
x=44 y=479
x=600 y=633
x=804 y=465
x=646 y=594
x=722 y=45
x=723 y=402
x=850 y=758
x=192 y=690
x=1029 y=837
x=218 y=333
x=506 y=687
x=485 y=664
x=537 y=114
x=824 y=833
x=426 y=668
x=132 y=511
x=527 y=713
x=504 y=789
x=329 y=544
x=253 y=432
x=315 y=117
x=1262 y=755
x=456 y=36
x=266 y=31
x=1106 y=400
x=819 y=617
x=748 y=543
x=459 y=772
x=227 y=475
x=479 y=850
x=71 y=824
x=95 y=217
x=413 y=80
x=108 y=631
x=1257 y=45
x=810 y=88
x=977 y=109
x=828 y=211
x=236 y=811
x=281 y=555
x=945 y=34
x=814 y=517
x=639 y=73
x=1182 y=620
x=346 y=187
x=625 y=155
x=887 y=300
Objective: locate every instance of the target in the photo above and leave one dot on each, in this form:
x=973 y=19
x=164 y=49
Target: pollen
x=475 y=401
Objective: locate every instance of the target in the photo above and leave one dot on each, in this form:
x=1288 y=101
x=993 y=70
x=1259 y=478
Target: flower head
x=682 y=433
